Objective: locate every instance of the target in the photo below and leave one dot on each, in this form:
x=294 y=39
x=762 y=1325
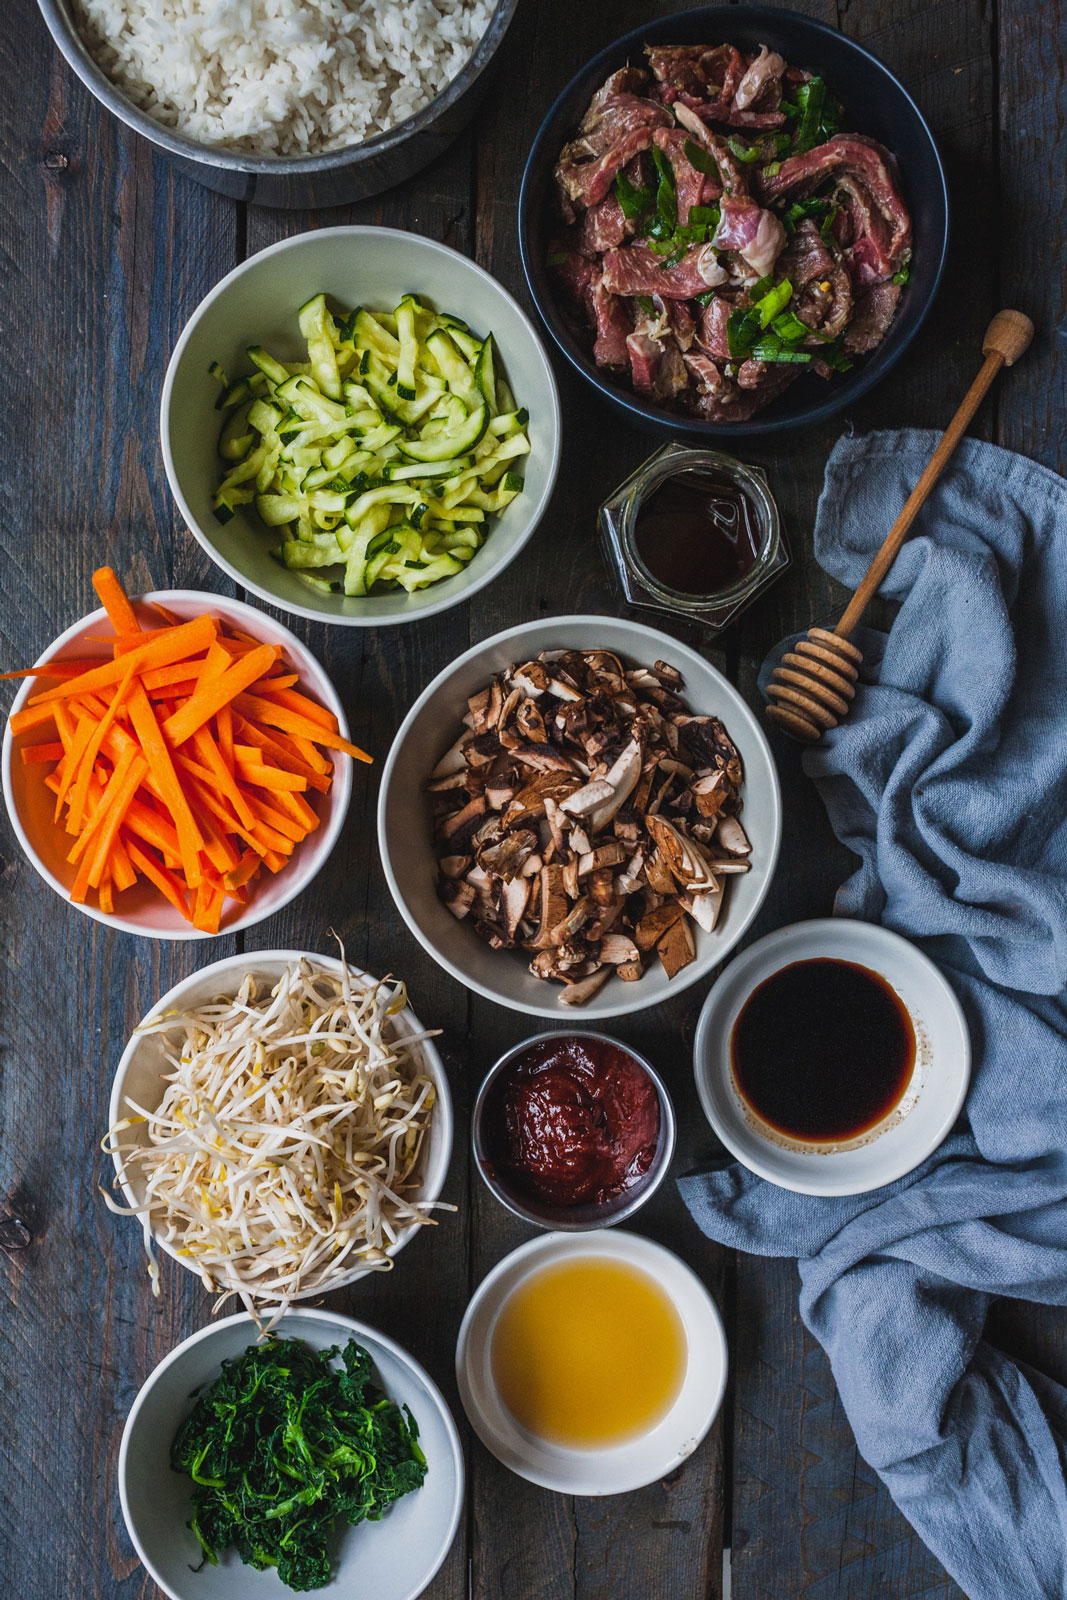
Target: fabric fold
x=949 y=782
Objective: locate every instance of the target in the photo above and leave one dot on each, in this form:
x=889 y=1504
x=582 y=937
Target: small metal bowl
x=574 y=1219
x=331 y=178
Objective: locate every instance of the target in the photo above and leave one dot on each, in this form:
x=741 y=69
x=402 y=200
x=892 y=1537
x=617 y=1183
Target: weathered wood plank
x=665 y=1540
x=106 y=255
x=378 y=673
x=809 y=1517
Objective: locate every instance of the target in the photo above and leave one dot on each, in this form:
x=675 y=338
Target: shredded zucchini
x=379 y=458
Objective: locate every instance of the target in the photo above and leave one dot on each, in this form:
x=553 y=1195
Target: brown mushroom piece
x=585 y=816
x=576 y=994
x=675 y=949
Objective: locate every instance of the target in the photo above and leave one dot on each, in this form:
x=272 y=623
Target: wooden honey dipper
x=813 y=685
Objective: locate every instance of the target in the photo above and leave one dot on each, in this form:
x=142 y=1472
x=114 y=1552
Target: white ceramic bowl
x=433 y=724
x=619 y=1468
x=138 y=1076
x=930 y=1105
x=393 y=1559
x=143 y=909
x=257 y=303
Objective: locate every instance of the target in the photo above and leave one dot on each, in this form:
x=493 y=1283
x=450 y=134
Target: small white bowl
x=257 y=303
x=138 y=1075
x=143 y=909
x=404 y=823
x=393 y=1559
x=931 y=1102
x=619 y=1468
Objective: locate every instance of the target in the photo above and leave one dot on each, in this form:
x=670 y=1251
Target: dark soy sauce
x=698 y=533
x=823 y=1050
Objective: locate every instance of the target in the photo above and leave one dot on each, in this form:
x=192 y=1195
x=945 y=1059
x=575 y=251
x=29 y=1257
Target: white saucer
x=616 y=1468
x=933 y=1099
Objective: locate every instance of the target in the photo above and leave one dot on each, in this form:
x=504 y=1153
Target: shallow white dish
x=138 y=1076
x=930 y=1105
x=143 y=909
x=619 y=1468
x=404 y=827
x=257 y=303
x=393 y=1559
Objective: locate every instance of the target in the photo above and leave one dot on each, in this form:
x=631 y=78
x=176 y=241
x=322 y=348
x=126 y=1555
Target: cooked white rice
x=282 y=77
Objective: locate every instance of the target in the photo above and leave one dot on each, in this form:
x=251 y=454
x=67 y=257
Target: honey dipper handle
x=1007 y=337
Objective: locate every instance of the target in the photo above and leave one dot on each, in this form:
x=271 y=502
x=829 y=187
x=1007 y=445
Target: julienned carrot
x=310 y=710
x=188 y=638
x=36 y=755
x=72 y=668
x=91 y=750
x=157 y=873
x=30 y=717
x=183 y=759
x=260 y=709
x=109 y=827
x=262 y=777
x=113 y=598
x=162 y=767
x=204 y=703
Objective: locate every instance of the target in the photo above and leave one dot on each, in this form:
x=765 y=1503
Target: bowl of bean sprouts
x=280 y=1124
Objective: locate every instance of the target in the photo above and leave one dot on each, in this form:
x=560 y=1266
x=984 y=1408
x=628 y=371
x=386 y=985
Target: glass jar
x=617 y=521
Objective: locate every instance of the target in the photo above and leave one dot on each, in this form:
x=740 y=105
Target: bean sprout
x=286 y=1148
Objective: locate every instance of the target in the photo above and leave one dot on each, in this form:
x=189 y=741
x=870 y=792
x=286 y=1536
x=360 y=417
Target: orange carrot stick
x=162 y=769
x=70 y=668
x=221 y=775
x=31 y=717
x=128 y=762
x=304 y=707
x=117 y=810
x=275 y=716
x=115 y=602
x=263 y=777
x=188 y=638
x=202 y=705
x=37 y=755
x=156 y=873
x=87 y=760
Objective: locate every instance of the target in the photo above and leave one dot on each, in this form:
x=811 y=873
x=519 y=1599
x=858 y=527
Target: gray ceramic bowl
x=257 y=303
x=572 y=1219
x=404 y=822
x=331 y=179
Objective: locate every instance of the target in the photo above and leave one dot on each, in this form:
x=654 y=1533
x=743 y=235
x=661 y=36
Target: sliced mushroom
x=710 y=792
x=459 y=827
x=732 y=836
x=676 y=949
x=584 y=801
x=705 y=908
x=605 y=855
x=576 y=994
x=453 y=759
x=450 y=780
x=652 y=927
x=621 y=780
x=618 y=948
x=514 y=899
x=457 y=896
x=553 y=905
x=585 y=816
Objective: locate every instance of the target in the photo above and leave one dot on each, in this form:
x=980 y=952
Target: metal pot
x=330 y=179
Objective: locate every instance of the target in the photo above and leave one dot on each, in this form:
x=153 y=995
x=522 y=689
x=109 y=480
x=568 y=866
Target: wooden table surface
x=106 y=251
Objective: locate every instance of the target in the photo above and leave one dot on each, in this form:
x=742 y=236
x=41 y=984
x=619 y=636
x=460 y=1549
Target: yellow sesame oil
x=589 y=1352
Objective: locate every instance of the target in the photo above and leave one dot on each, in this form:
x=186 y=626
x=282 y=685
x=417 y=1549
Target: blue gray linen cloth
x=949 y=781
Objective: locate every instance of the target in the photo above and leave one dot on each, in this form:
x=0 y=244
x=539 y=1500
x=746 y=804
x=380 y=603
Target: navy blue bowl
x=874 y=103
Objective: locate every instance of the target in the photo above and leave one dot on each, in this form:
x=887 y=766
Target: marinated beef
x=719 y=206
